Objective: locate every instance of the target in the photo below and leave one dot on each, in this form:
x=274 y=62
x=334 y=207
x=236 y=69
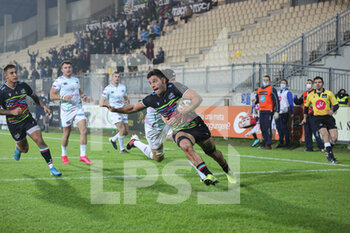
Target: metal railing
x=214 y=79
x=243 y=77
x=316 y=43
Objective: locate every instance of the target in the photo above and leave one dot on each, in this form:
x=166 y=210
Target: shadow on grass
x=283 y=213
x=62 y=193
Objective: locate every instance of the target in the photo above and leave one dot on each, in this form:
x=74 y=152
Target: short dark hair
x=319 y=78
x=9 y=66
x=285 y=80
x=267 y=76
x=68 y=62
x=156 y=72
x=310 y=80
x=116 y=72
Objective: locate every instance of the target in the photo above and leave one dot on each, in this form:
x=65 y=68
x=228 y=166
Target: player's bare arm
x=127 y=101
x=13 y=112
x=39 y=101
x=82 y=95
x=54 y=95
x=103 y=103
x=128 y=109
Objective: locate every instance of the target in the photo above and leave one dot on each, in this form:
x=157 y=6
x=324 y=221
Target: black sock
x=254 y=135
x=45 y=152
x=225 y=167
x=203 y=168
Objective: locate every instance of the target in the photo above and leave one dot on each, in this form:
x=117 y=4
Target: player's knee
x=184 y=142
x=158 y=155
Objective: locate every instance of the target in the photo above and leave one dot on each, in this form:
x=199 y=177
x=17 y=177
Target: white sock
x=326 y=144
x=146 y=149
x=64 y=150
x=121 y=142
x=82 y=150
x=201 y=174
x=115 y=137
x=50 y=165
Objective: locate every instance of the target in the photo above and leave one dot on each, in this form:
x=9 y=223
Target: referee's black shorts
x=327 y=122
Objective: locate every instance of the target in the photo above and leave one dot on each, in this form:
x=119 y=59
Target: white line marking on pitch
x=55 y=157
x=163 y=175
x=243 y=156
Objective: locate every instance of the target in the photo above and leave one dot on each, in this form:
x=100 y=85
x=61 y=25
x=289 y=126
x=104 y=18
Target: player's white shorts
x=70 y=117
x=155 y=137
x=118 y=117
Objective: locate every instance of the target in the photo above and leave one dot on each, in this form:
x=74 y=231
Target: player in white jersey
x=67 y=89
x=156 y=131
x=117 y=97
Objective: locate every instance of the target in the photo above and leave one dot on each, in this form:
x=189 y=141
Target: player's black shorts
x=20 y=130
x=200 y=132
x=325 y=122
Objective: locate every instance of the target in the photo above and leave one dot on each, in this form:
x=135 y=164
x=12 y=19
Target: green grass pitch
x=280 y=191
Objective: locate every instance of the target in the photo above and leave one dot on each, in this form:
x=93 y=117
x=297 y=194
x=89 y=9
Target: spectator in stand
x=25 y=73
x=141 y=58
x=122 y=47
x=188 y=14
x=152 y=9
x=33 y=58
x=144 y=37
x=342 y=98
x=161 y=21
x=43 y=73
x=155 y=30
x=150 y=49
x=35 y=74
x=286 y=109
x=171 y=20
x=49 y=71
x=159 y=57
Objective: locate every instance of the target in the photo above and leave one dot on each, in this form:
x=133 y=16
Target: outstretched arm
x=128 y=109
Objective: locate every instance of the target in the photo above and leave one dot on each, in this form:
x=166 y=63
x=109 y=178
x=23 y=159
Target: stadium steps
x=265 y=32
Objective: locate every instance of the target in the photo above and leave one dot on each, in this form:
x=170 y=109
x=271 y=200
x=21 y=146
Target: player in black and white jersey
x=19 y=120
x=188 y=128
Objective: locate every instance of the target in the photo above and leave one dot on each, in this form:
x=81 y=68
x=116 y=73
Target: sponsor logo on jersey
x=324 y=95
x=320 y=104
x=262 y=99
x=171 y=96
x=23 y=91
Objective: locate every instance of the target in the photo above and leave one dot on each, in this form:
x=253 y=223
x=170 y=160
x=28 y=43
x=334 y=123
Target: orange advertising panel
x=224 y=121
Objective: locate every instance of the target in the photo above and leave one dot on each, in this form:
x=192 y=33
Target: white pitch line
x=243 y=156
x=56 y=157
x=167 y=175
